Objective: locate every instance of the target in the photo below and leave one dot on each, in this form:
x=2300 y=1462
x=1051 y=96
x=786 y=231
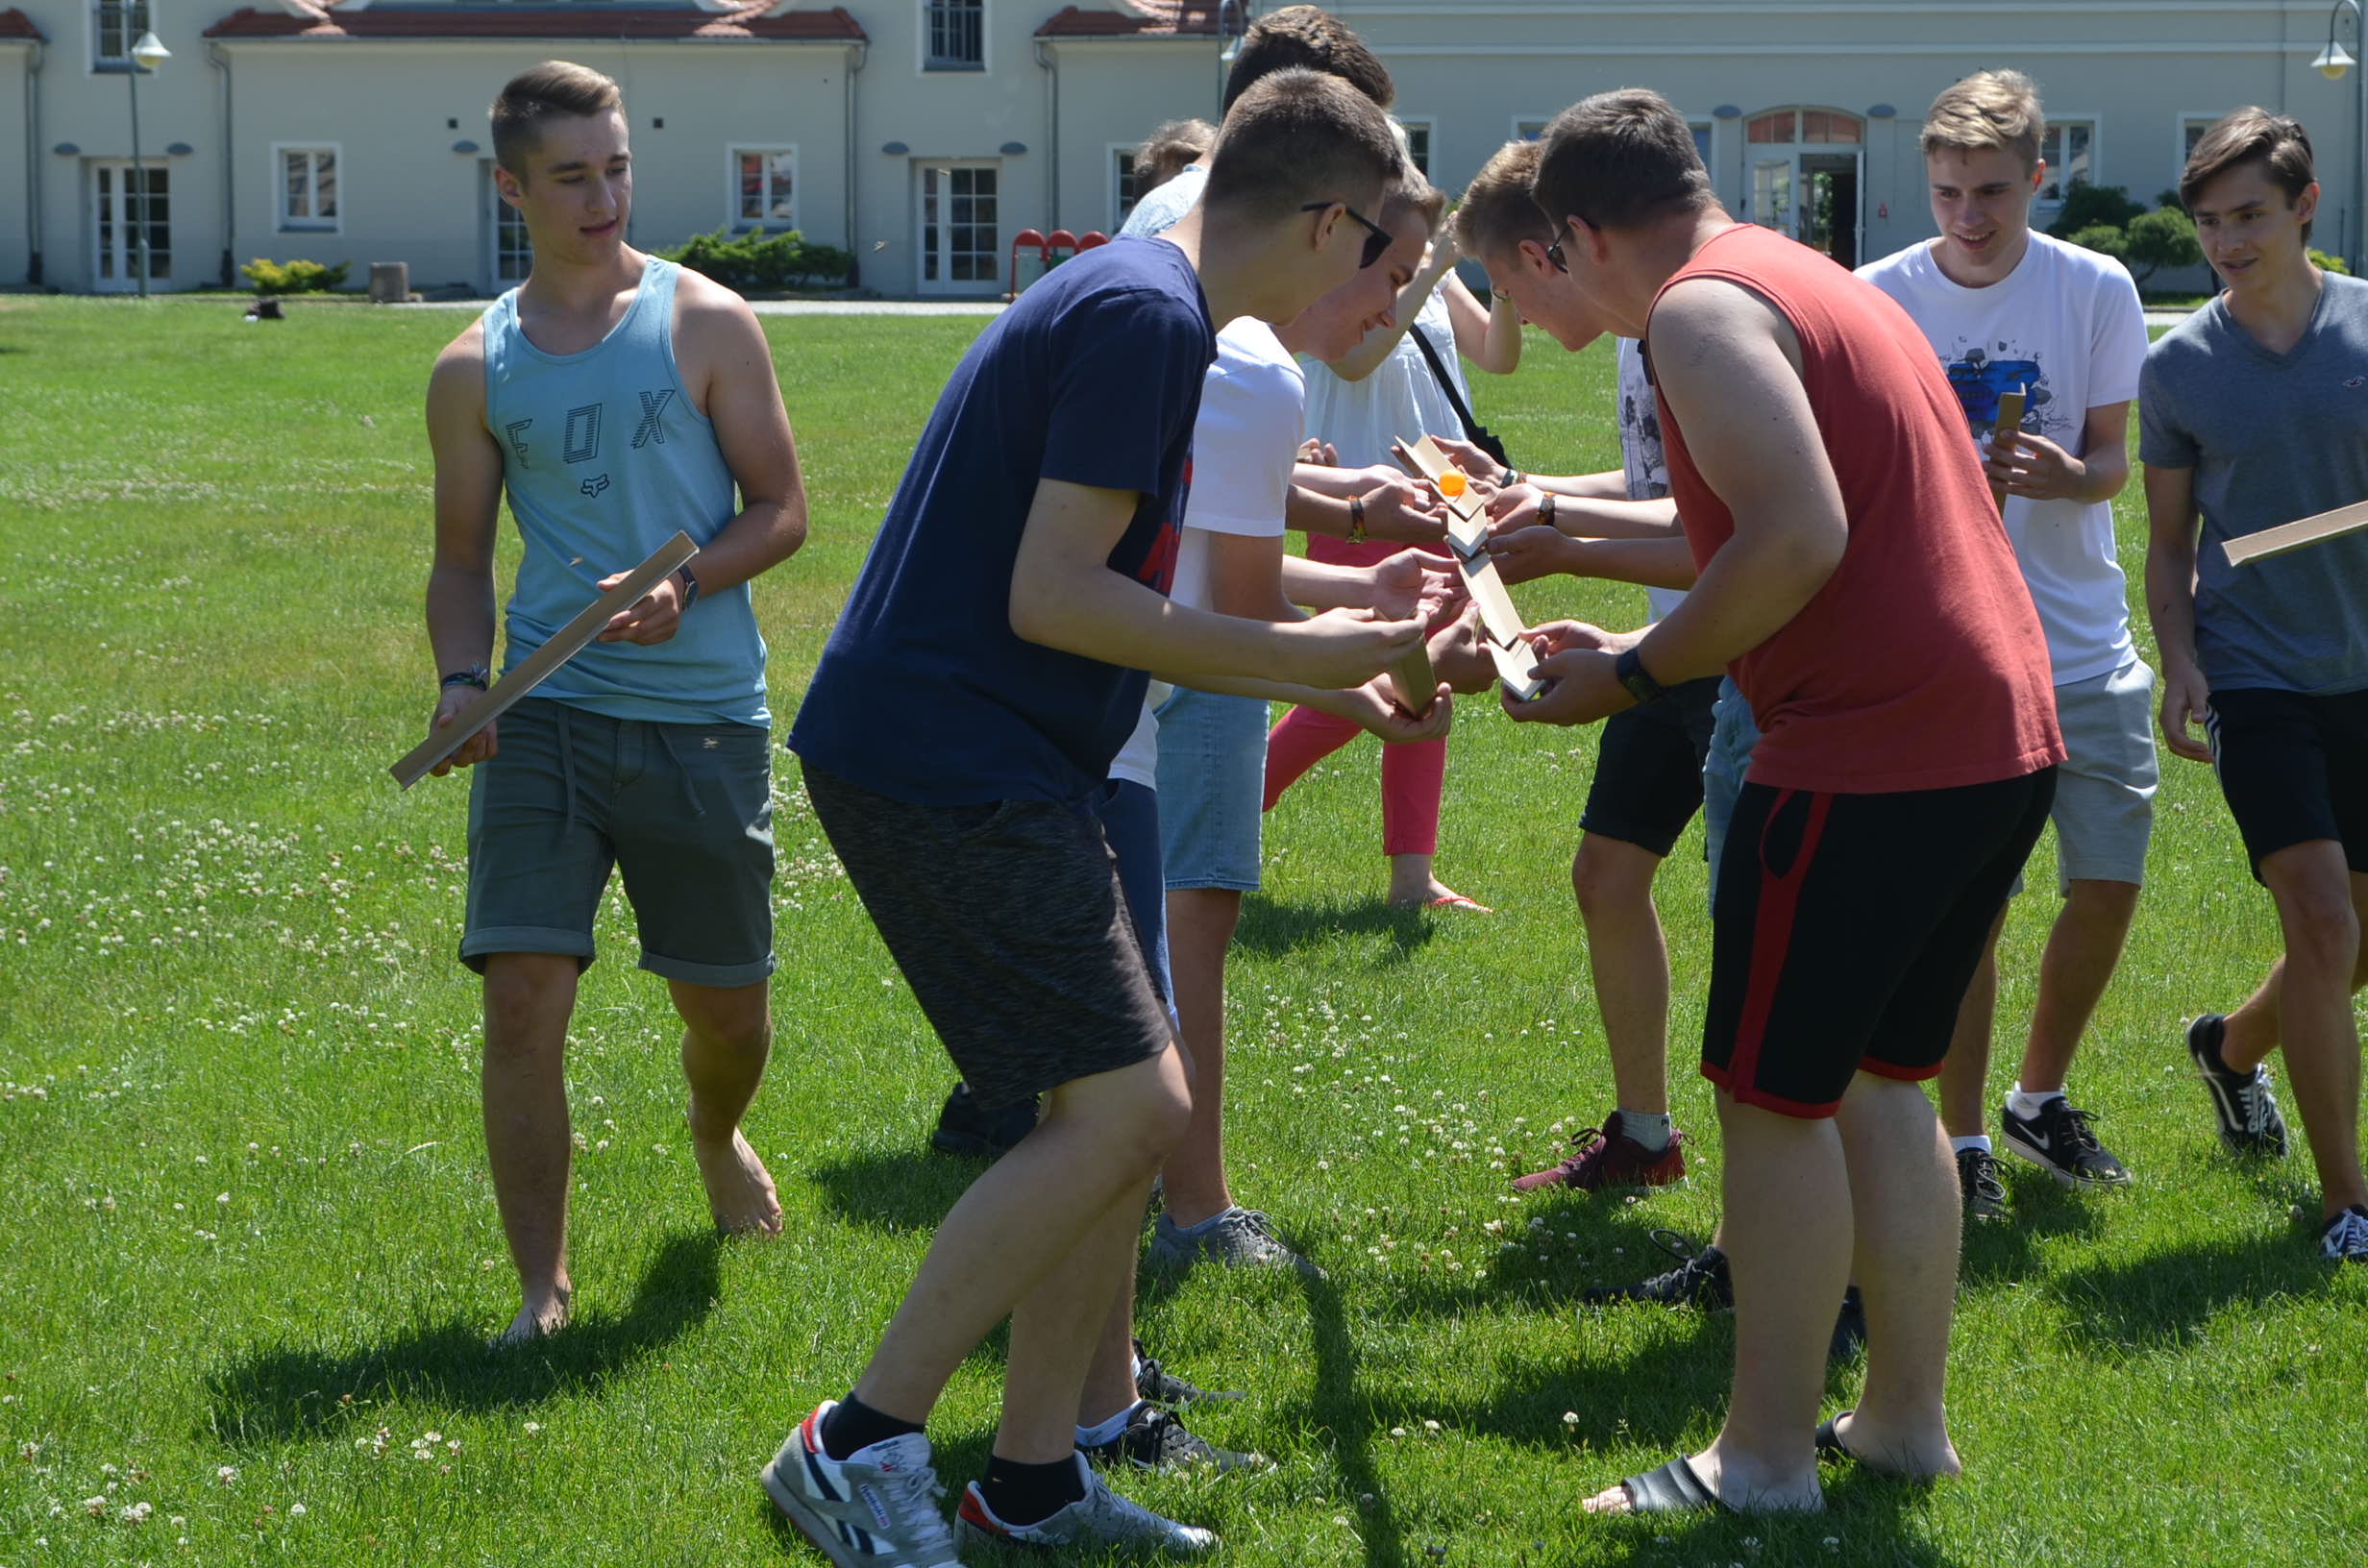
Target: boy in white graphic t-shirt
x=2010 y=310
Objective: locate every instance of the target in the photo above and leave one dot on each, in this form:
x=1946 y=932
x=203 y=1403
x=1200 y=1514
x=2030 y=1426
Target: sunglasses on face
x=1376 y=237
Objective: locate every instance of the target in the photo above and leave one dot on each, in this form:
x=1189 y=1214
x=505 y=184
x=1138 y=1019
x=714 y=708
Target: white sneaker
x=875 y=1508
x=1099 y=1518
x=2345 y=1240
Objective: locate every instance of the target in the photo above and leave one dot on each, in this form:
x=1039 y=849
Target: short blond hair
x=1498 y=212
x=544 y=92
x=1986 y=110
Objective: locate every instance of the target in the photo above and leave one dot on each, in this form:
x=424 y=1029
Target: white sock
x=1651 y=1131
x=1096 y=1435
x=1979 y=1140
x=2026 y=1105
x=1138 y=1360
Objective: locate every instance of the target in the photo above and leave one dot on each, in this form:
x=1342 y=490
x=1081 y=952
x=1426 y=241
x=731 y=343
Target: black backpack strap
x=1473 y=430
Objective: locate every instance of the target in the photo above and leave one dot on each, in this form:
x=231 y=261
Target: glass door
x=961 y=229
x=1771 y=192
x=121 y=203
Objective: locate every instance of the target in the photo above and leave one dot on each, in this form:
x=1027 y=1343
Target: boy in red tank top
x=1855 y=582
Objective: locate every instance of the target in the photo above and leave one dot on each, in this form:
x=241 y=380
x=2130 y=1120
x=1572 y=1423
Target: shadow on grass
x=2011 y=1251
x=1276 y=930
x=288 y=1391
x=906 y=1187
x=2163 y=1301
x=1337 y=1408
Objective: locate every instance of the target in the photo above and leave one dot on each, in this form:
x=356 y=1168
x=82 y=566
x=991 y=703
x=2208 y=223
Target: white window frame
x=1430 y=131
x=1110 y=165
x=281 y=222
x=734 y=219
x=94 y=64
x=2096 y=157
x=2179 y=139
x=986 y=43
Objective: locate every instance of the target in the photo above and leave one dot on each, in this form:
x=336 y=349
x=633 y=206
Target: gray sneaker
x=1099 y=1518
x=875 y=1508
x=1238 y=1239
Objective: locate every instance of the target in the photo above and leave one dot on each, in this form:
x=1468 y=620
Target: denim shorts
x=683 y=810
x=1733 y=735
x=1212 y=780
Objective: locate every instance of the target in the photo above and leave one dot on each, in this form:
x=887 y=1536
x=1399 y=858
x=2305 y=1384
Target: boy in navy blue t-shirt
x=990 y=663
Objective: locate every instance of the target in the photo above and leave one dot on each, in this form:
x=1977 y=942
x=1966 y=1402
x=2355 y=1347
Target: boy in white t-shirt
x=2012 y=311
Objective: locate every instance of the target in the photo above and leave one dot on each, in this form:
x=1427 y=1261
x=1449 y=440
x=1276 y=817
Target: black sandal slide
x=1673 y=1488
x=1830 y=1446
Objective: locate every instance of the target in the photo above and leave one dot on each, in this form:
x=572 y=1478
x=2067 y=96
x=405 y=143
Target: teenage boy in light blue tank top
x=615 y=399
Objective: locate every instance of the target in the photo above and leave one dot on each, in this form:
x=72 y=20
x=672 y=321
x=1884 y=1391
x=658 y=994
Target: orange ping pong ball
x=1452 y=486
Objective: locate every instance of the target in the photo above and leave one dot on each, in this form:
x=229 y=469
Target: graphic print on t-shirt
x=1157 y=568
x=1981 y=374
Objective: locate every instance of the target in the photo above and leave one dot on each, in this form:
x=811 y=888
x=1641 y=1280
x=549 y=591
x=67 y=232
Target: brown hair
x=2278 y=142
x=1298 y=136
x=545 y=92
x=1619 y=160
x=1497 y=211
x=1411 y=192
x=1310 y=38
x=1167 y=150
x=1986 y=110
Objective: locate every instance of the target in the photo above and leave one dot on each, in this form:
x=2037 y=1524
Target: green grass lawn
x=252 y=1254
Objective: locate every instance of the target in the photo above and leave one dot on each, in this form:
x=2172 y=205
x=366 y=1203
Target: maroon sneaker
x=1609 y=1161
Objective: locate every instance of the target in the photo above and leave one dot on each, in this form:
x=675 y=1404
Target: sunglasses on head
x=1376 y=237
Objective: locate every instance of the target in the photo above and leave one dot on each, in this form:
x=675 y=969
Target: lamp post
x=2333 y=62
x=146 y=56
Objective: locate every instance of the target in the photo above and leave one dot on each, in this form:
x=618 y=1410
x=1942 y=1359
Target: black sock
x=1029 y=1494
x=851 y=1424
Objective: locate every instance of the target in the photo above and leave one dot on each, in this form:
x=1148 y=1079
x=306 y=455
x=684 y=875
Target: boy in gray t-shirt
x=2255 y=412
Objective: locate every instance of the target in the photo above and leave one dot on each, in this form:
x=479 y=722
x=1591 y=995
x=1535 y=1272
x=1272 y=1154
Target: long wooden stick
x=2003 y=430
x=538 y=666
x=1412 y=680
x=2308 y=530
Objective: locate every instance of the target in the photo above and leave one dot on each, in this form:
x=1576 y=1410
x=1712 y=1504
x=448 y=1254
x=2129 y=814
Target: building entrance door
x=1806 y=178
x=959 y=228
x=120 y=204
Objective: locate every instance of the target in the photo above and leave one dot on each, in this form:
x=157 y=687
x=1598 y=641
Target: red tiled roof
x=15 y=24
x=745 y=25
x=1158 y=19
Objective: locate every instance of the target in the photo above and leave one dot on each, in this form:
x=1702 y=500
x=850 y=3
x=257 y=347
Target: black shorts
x=2294 y=768
x=1648 y=769
x=1847 y=928
x=1009 y=922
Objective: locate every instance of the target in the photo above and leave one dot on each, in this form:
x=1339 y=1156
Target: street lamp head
x=149 y=52
x=2333 y=61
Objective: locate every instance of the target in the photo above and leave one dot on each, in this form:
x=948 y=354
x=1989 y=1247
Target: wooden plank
x=2309 y=530
x=1512 y=667
x=2003 y=431
x=1502 y=623
x=538 y=666
x=1412 y=679
x=1425 y=459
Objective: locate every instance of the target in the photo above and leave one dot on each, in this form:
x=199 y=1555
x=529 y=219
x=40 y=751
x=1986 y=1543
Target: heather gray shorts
x=683 y=810
x=1009 y=923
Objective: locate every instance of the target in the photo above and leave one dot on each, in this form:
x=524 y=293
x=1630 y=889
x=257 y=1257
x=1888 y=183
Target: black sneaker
x=963 y=1129
x=1849 y=1328
x=1977 y=1176
x=2247 y=1112
x=1156 y=1440
x=1161 y=1387
x=2345 y=1239
x=1699 y=1280
x=2060 y=1141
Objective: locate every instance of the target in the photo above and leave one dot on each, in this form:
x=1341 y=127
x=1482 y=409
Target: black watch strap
x=1629 y=667
x=690 y=588
x=476 y=674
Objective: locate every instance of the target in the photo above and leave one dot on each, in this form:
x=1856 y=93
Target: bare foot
x=536 y=1320
x=740 y=1193
x=1892 y=1454
x=1433 y=893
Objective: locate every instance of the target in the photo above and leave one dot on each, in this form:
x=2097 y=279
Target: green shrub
x=2330 y=263
x=295 y=277
x=2087 y=206
x=754 y=261
x=2144 y=242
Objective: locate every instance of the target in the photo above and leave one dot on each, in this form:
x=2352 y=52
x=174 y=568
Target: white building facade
x=924 y=135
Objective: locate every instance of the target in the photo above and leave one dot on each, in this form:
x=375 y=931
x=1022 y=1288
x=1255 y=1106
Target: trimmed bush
x=295 y=277
x=2330 y=263
x=757 y=263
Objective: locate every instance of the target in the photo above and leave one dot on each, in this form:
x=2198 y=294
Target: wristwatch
x=1547 y=506
x=1640 y=681
x=476 y=674
x=690 y=589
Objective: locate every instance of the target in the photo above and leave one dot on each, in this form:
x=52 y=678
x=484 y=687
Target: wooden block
x=1512 y=667
x=1467 y=537
x=2309 y=530
x=538 y=666
x=2003 y=431
x=1412 y=679
x=1498 y=618
x=1425 y=459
